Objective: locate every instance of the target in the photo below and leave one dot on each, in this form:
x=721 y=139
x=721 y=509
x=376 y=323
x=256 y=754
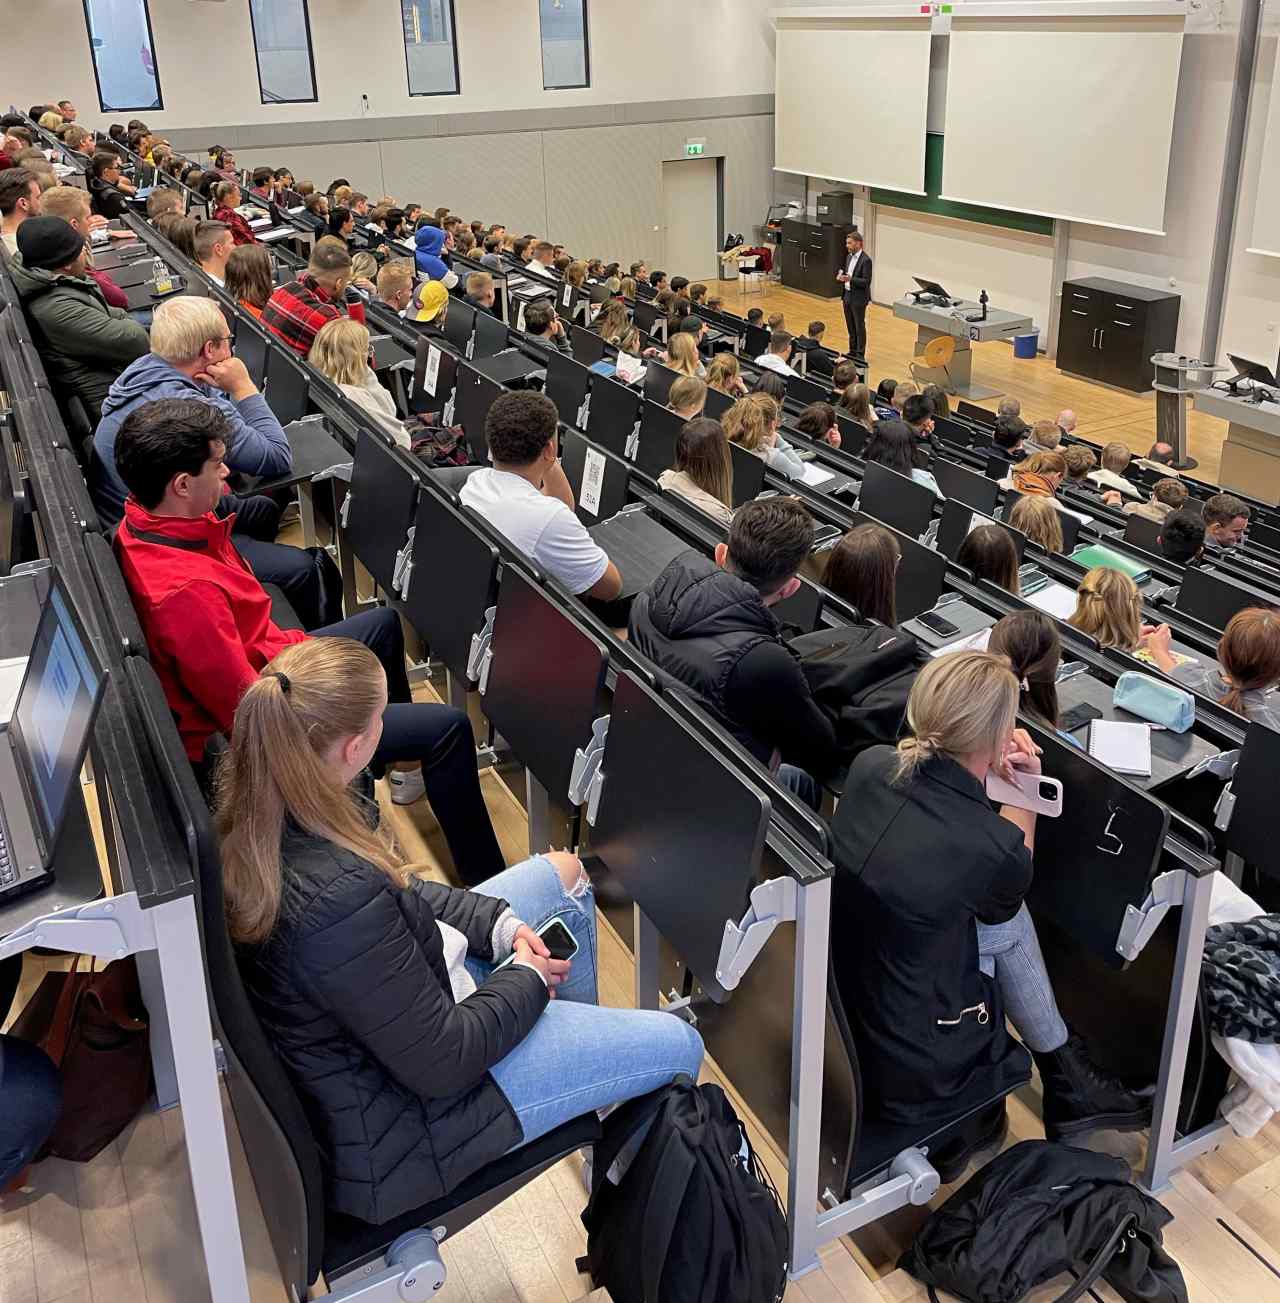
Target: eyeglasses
x=222 y=339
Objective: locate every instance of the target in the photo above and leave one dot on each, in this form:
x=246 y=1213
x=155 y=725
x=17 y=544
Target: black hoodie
x=711 y=632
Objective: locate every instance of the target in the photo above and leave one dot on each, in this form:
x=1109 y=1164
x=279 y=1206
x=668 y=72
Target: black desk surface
x=640 y=548
x=1172 y=754
x=314 y=450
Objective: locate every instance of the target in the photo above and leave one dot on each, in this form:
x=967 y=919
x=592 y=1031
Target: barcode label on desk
x=592 y=481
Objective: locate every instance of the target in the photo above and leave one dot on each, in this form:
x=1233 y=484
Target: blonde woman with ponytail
x=427 y=1027
x=933 y=946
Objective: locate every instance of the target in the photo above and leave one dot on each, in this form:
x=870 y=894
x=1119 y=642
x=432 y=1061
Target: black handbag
x=1036 y=1211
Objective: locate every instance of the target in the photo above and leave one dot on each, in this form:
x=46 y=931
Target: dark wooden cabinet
x=1108 y=330
x=811 y=256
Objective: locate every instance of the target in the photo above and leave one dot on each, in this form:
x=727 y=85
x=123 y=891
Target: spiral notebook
x=1126 y=748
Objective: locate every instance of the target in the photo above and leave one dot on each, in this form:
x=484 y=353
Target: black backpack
x=1036 y=1211
x=695 y=1216
x=860 y=676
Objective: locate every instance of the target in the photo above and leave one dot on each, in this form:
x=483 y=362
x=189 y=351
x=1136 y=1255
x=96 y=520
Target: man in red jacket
x=209 y=630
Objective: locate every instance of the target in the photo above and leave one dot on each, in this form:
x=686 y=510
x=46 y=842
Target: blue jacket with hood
x=258 y=445
x=430 y=243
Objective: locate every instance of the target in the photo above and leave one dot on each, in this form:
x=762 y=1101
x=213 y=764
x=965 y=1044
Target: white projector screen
x=1266 y=208
x=850 y=101
x=1065 y=117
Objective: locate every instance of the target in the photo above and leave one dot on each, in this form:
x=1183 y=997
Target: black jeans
x=440 y=737
x=292 y=569
x=855 y=319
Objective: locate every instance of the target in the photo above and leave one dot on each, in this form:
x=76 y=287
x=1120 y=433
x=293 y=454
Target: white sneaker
x=407 y=785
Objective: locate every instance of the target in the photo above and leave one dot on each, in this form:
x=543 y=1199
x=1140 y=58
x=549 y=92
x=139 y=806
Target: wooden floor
x=122 y=1229
x=1104 y=414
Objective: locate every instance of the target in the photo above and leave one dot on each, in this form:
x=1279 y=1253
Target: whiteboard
x=1068 y=117
x=1266 y=209
x=850 y=100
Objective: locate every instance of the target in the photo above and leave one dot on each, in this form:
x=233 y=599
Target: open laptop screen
x=54 y=712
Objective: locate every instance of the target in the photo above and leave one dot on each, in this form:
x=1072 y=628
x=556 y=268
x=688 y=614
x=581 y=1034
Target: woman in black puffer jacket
x=417 y=1060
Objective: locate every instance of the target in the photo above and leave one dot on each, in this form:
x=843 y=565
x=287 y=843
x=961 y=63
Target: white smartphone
x=1026 y=792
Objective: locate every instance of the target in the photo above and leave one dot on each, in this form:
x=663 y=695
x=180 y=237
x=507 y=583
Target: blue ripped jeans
x=579 y=1056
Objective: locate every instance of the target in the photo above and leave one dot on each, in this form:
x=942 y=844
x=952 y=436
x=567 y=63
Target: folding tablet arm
x=772 y=902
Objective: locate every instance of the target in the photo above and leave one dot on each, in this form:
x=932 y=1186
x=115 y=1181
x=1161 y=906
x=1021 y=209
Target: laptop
x=43 y=740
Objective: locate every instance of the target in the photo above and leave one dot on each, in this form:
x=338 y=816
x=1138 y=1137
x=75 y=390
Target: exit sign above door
x=693 y=148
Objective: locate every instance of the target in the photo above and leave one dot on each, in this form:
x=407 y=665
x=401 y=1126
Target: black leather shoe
x=1079 y=1097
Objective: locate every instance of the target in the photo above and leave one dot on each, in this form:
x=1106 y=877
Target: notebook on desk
x=640 y=548
x=1126 y=748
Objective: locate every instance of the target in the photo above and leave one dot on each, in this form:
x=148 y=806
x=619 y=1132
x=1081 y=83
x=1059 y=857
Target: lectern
x=964 y=323
x=1176 y=379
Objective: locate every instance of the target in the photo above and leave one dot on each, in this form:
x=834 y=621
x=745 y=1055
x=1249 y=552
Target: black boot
x=984 y=1133
x=1080 y=1097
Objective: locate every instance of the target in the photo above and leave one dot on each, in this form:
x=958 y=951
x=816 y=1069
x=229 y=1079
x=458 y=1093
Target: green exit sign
x=694 y=147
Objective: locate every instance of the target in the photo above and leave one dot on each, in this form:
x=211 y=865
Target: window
x=124 y=60
x=282 y=40
x=430 y=49
x=564 y=44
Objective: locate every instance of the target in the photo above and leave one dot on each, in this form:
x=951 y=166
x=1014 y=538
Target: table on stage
x=1251 y=454
x=934 y=322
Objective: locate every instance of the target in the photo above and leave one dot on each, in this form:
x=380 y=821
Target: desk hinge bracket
x=1140 y=923
x=586 y=778
x=772 y=902
x=481 y=653
x=105 y=929
x=345 y=510
x=402 y=572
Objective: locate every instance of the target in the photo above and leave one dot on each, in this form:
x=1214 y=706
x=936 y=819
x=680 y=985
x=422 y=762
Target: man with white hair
x=191 y=357
x=1067 y=421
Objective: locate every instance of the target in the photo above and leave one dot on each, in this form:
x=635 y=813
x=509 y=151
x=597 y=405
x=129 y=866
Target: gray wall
x=588 y=178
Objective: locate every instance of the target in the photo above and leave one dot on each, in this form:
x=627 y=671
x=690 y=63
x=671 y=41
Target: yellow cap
x=429 y=301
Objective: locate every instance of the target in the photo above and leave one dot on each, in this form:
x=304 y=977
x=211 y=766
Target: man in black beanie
x=83 y=343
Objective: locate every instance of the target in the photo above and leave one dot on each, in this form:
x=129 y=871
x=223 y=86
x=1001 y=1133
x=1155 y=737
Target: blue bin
x=1025 y=345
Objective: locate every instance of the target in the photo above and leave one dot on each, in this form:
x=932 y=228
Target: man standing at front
x=856 y=279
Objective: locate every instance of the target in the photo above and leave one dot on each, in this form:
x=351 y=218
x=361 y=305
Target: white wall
x=1014 y=267
x=1253 y=281
x=641 y=50
x=1179 y=259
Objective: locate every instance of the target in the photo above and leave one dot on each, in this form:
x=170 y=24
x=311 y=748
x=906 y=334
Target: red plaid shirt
x=295 y=313
x=241 y=231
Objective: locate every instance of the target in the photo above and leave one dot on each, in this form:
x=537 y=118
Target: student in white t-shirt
x=524 y=495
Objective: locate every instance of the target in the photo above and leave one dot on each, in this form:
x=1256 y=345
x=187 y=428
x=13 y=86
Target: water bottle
x=161 y=280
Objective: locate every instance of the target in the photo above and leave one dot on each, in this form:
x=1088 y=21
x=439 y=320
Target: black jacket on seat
x=353 y=991
x=711 y=632
x=917 y=864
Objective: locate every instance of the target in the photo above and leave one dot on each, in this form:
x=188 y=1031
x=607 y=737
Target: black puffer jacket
x=353 y=992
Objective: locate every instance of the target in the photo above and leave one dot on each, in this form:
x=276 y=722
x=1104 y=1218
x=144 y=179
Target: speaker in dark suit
x=856 y=278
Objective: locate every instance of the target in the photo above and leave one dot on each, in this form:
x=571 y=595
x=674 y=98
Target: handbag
x=94 y=1027
x=1154 y=700
x=1036 y=1211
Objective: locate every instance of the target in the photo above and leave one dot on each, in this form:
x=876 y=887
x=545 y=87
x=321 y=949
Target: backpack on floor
x=860 y=676
x=694 y=1217
x=1036 y=1211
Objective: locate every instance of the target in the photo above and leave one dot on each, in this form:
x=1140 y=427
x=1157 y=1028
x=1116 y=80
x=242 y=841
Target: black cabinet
x=811 y=257
x=1108 y=330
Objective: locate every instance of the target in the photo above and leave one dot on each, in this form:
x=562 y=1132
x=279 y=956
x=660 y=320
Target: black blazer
x=857 y=288
x=917 y=865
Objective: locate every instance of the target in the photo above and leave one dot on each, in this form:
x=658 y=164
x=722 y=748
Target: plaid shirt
x=295 y=313
x=241 y=231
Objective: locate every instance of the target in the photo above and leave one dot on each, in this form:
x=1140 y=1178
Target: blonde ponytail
x=309 y=698
x=961 y=703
